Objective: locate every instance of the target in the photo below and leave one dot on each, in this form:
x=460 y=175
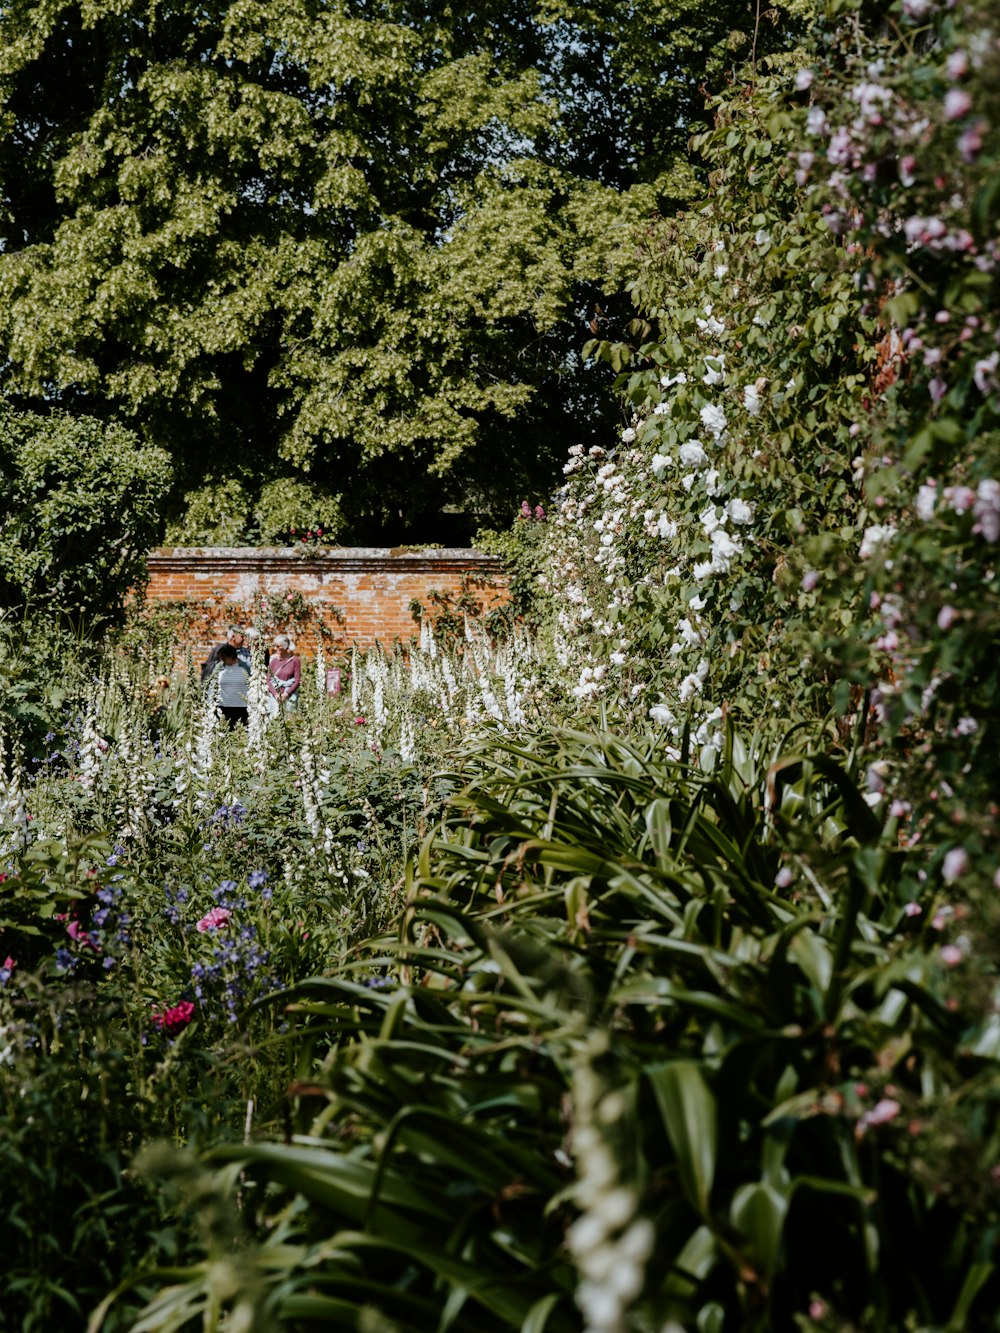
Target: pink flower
x=880 y=1114
x=984 y=372
x=961 y=498
x=951 y=955
x=841 y=149
x=957 y=64
x=955 y=865
x=946 y=617
x=986 y=509
x=957 y=103
x=76 y=932
x=216 y=919
x=172 y=1020
x=912 y=909
x=970 y=141
x=359 y=721
x=817 y=1309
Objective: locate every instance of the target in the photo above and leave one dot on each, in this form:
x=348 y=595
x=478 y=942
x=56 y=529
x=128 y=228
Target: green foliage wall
x=80 y=504
x=803 y=502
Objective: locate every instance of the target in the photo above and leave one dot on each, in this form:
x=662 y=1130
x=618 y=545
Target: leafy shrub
x=81 y=505
x=632 y=1010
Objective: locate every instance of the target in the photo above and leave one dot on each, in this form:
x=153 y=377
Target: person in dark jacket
x=236 y=637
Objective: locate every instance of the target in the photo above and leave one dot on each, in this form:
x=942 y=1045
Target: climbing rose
x=956 y=103
x=956 y=864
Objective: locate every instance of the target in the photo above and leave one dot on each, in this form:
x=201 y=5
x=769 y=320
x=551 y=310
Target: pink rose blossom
x=984 y=372
x=172 y=1020
x=841 y=149
x=961 y=498
x=881 y=1113
x=970 y=142
x=957 y=103
x=216 y=919
x=955 y=865
x=986 y=509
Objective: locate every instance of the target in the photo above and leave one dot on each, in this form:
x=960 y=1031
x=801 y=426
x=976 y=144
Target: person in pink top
x=284 y=671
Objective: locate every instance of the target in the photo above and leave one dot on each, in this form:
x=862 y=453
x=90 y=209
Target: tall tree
x=338 y=258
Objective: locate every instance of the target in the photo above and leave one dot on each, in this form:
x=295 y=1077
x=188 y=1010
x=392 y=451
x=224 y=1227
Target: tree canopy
x=337 y=259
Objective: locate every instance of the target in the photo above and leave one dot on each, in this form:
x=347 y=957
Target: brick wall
x=361 y=594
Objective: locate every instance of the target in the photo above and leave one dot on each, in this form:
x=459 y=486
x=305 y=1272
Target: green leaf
x=687 y=1108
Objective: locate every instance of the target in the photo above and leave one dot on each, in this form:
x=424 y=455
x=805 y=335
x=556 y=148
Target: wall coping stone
x=322 y=559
